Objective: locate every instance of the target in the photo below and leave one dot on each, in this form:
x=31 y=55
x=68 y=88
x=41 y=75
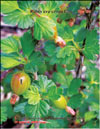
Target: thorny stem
x=88 y=26
x=37 y=14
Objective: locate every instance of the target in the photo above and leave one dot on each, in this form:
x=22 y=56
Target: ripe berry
x=81 y=11
x=60 y=103
x=71 y=22
x=88 y=11
x=60 y=42
x=13 y=99
x=20 y=82
x=64 y=66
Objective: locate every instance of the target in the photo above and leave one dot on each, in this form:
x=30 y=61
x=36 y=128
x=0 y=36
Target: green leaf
x=36 y=59
x=10 y=113
x=91 y=124
x=68 y=35
x=8 y=6
x=27 y=44
x=50 y=48
x=91 y=46
x=90 y=115
x=43 y=83
x=81 y=35
x=68 y=15
x=83 y=110
x=92 y=73
x=9 y=45
x=51 y=124
x=21 y=15
x=58 y=113
x=70 y=61
x=43 y=28
x=42 y=68
x=66 y=51
x=74 y=7
x=20 y=18
x=65 y=32
x=96 y=92
x=92 y=37
x=54 y=93
x=7 y=82
x=9 y=61
x=30 y=68
x=74 y=87
x=20 y=107
x=75 y=101
x=32 y=95
x=3 y=116
x=37 y=111
x=69 y=78
x=84 y=3
x=95 y=107
x=49 y=6
x=28 y=5
x=59 y=77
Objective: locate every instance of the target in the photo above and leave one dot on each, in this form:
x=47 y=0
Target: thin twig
x=88 y=26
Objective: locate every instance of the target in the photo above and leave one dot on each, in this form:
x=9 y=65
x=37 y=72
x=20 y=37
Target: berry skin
x=13 y=99
x=60 y=42
x=88 y=11
x=64 y=66
x=81 y=11
x=71 y=22
x=60 y=103
x=20 y=82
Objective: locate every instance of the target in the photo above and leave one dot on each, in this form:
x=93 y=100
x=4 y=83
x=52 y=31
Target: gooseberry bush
x=51 y=70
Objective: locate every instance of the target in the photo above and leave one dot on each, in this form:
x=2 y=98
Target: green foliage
x=43 y=83
x=32 y=95
x=8 y=6
x=74 y=7
x=74 y=87
x=51 y=124
x=37 y=111
x=59 y=77
x=68 y=32
x=91 y=124
x=90 y=115
x=51 y=66
x=62 y=53
x=81 y=35
x=20 y=107
x=26 y=5
x=18 y=14
x=43 y=28
x=10 y=112
x=49 y=6
x=54 y=93
x=92 y=46
x=11 y=60
x=75 y=101
x=9 y=45
x=27 y=44
x=7 y=82
x=17 y=17
x=58 y=113
x=3 y=116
